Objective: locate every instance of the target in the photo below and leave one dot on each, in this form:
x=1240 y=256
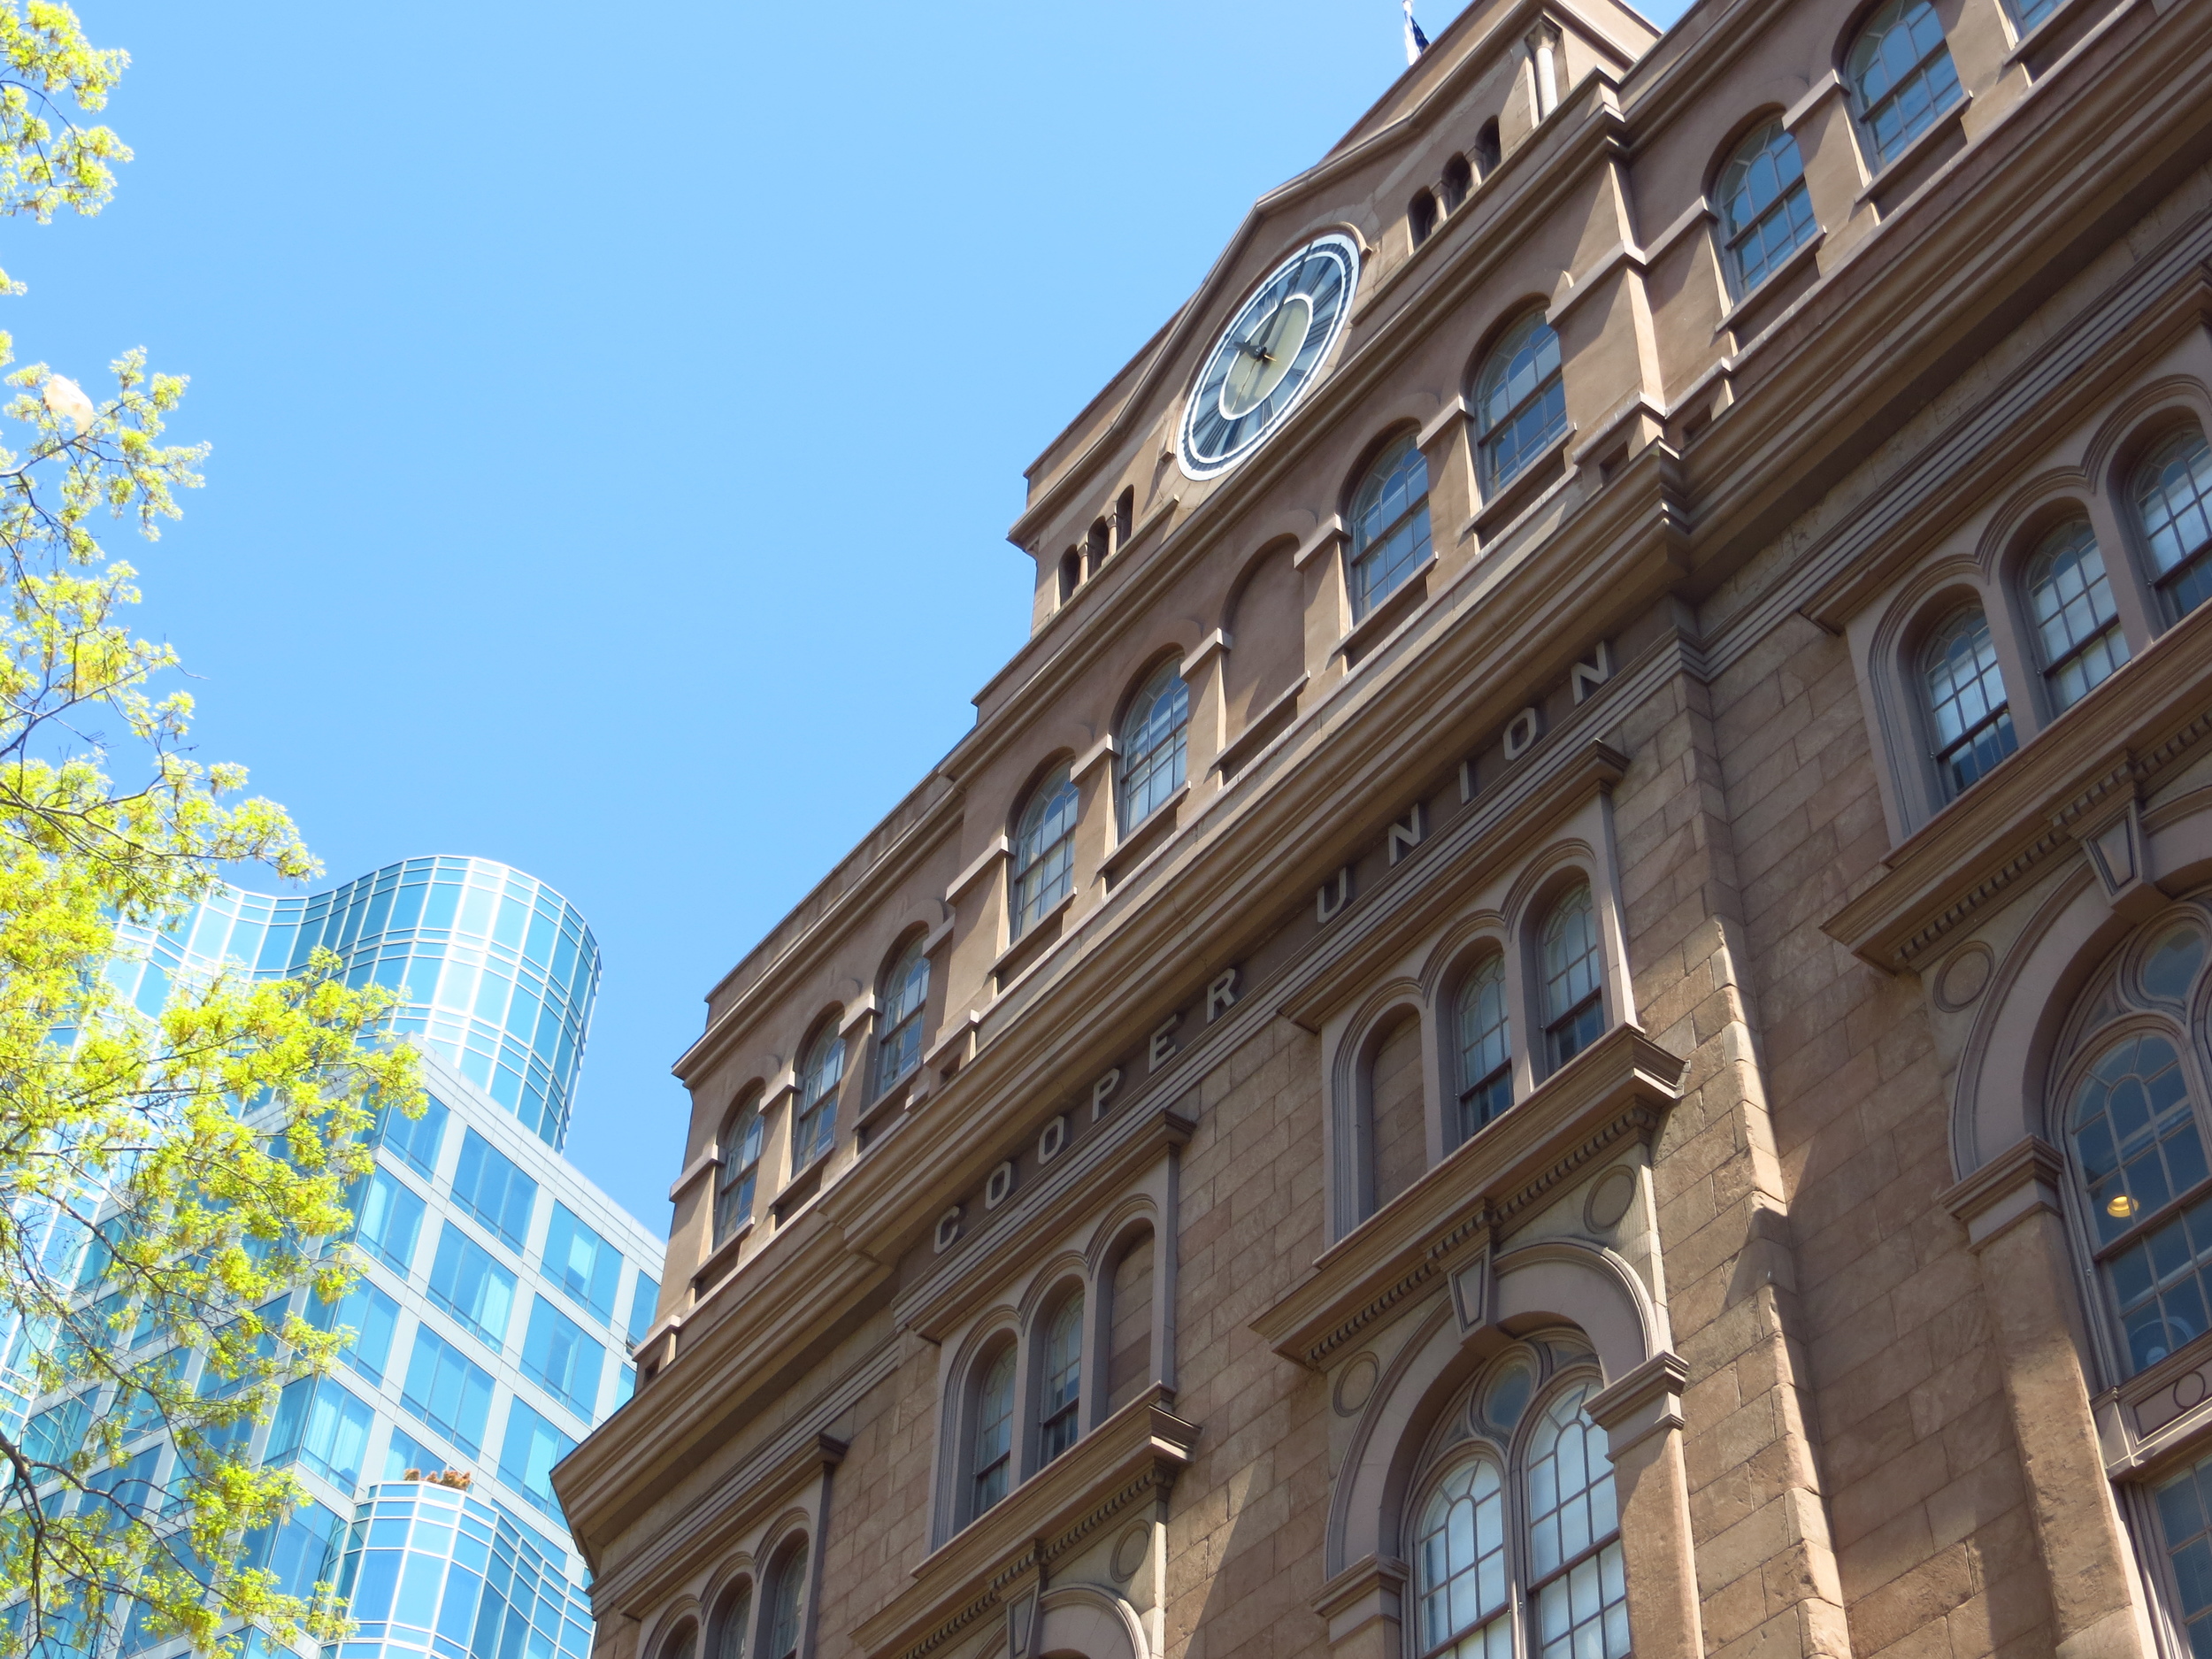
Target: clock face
x=1269 y=355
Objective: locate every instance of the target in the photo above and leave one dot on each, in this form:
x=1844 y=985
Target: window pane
x=1966 y=701
x=1153 y=741
x=557 y=1352
x=644 y=1298
x=1044 y=851
x=1486 y=1047
x=469 y=1284
x=1766 y=214
x=993 y=1432
x=370 y=1315
x=1522 y=401
x=533 y=1444
x=1459 y=1553
x=415 y=1140
x=387 y=1218
x=2173 y=499
x=1390 y=526
x=1900 y=73
x=493 y=1189
x=446 y=1392
x=1061 y=1408
x=2076 y=624
x=581 y=1263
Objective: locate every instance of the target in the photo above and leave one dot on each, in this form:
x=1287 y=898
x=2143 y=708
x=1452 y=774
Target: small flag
x=1417 y=42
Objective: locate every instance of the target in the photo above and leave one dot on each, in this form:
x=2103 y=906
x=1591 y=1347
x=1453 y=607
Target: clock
x=1268 y=356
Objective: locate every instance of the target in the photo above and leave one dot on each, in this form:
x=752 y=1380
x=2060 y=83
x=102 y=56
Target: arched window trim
x=2072 y=627
x=1531 y=420
x=1365 y=1050
x=903 y=1002
x=1779 y=225
x=788 y=1603
x=1387 y=542
x=682 y=1642
x=1062 y=1378
x=1464 y=1438
x=1919 y=85
x=2182 y=581
x=1987 y=731
x=1484 y=1083
x=737 y=1182
x=1422 y=214
x=1568 y=1026
x=730 y=1634
x=988 y=1470
x=1153 y=738
x=1041 y=871
x=821 y=1072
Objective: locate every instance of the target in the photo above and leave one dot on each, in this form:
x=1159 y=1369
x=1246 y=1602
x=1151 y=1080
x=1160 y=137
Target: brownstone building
x=1563 y=1007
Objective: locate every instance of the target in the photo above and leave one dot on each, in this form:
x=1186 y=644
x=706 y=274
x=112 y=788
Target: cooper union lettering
x=1563 y=1008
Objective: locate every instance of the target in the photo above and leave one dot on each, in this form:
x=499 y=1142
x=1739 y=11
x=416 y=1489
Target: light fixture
x=2122 y=1206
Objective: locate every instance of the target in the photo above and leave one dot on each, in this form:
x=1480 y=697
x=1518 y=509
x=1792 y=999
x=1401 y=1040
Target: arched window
x=2173 y=502
x=815 y=1127
x=1489 y=151
x=1390 y=526
x=1460 y=1552
x=1521 y=401
x=683 y=1644
x=739 y=1175
x=1458 y=179
x=1060 y=1401
x=1766 y=213
x=1421 y=216
x=1901 y=77
x=1520 y=1520
x=2076 y=625
x=1154 y=736
x=1967 y=708
x=787 y=1605
x=1574 y=980
x=1485 y=1047
x=2141 y=1154
x=1044 y=850
x=1124 y=517
x=1574 y=1546
x=731 y=1634
x=990 y=1462
x=1099 y=545
x=1070 y=573
x=898 y=1039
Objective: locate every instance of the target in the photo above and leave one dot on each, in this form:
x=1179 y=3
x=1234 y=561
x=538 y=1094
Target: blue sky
x=617 y=415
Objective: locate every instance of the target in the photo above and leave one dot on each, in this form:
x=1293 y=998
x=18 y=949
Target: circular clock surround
x=1269 y=355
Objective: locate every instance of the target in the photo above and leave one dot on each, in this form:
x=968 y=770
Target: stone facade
x=1497 y=1044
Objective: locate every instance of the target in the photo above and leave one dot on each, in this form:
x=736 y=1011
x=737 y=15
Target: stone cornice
x=1131 y=1457
x=2006 y=828
x=791 y=1303
x=2023 y=1180
x=1618 y=1090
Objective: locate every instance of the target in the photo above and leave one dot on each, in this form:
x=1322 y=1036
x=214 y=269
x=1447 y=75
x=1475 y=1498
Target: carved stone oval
x=1130 y=1549
x=1355 y=1385
x=1963 y=979
x=1610 y=1195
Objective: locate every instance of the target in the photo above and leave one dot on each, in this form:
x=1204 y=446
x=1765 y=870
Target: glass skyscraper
x=502 y=1294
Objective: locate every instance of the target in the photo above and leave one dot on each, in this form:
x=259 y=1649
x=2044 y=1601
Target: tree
x=164 y=1180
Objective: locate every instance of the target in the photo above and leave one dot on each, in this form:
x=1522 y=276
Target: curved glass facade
x=499 y=970
x=432 y=1570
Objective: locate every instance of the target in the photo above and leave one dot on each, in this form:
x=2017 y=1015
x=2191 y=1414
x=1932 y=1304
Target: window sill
x=1261 y=730
x=2159 y=1408
x=1138 y=844
x=1912 y=167
x=1752 y=313
x=801 y=1187
x=1400 y=602
x=1032 y=944
x=721 y=1261
x=2042 y=46
x=1529 y=486
x=888 y=1103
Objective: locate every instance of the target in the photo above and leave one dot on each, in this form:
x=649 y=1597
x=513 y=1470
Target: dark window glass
x=1966 y=701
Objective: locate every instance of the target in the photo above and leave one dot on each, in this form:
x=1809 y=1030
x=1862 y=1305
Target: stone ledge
x=1620 y=1087
x=1134 y=1456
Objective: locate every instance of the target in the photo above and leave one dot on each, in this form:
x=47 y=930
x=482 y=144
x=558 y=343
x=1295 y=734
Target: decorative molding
x=2038 y=803
x=1454 y=410
x=1133 y=1457
x=1393 y=608
x=2024 y=1180
x=1214 y=644
x=1645 y=1402
x=1139 y=843
x=1618 y=1089
x=1322 y=538
x=1262 y=728
x=693 y=1171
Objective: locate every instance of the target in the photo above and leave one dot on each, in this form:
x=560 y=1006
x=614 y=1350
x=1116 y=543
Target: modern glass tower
x=504 y=1291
